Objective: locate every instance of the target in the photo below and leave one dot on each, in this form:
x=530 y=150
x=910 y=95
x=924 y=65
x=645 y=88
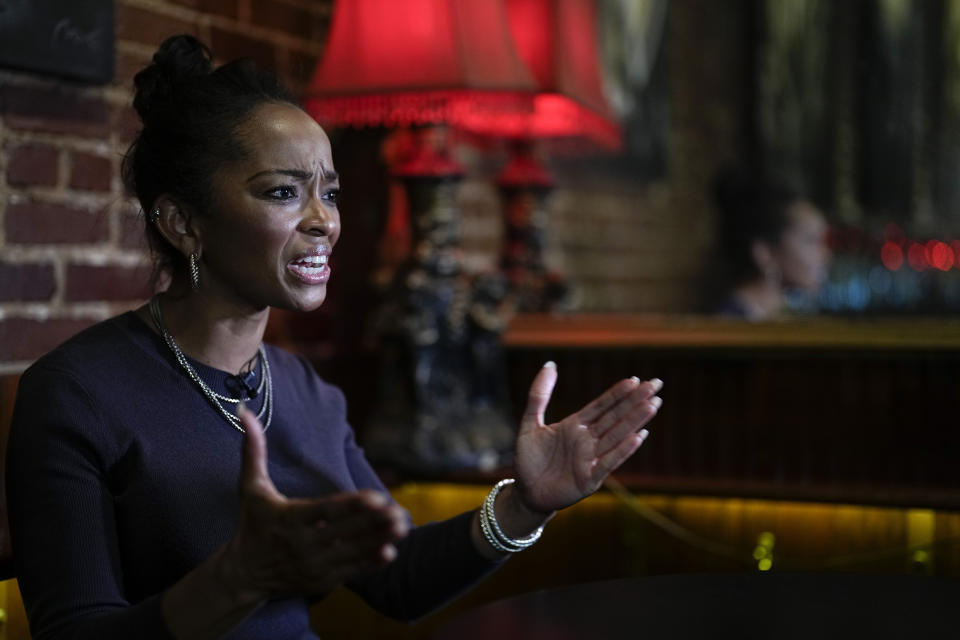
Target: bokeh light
x=891 y=255
x=917 y=256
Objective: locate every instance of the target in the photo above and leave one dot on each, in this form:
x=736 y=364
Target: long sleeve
x=121 y=479
x=62 y=518
x=435 y=563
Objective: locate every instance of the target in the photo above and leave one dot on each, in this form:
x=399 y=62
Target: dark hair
x=752 y=205
x=190 y=114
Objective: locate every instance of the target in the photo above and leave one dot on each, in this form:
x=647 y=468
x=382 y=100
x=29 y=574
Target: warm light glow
x=891 y=255
x=955 y=247
x=418 y=62
x=803 y=534
x=916 y=256
x=467 y=64
x=763 y=552
x=557 y=41
x=940 y=255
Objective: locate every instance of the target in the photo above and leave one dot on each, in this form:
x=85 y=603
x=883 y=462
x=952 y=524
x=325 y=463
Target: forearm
x=208 y=602
x=435 y=564
x=514 y=518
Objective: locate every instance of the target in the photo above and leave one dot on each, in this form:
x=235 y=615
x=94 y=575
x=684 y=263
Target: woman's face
x=803 y=255
x=274 y=221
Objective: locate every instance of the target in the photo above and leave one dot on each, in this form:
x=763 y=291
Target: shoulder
x=105 y=370
x=100 y=345
x=62 y=397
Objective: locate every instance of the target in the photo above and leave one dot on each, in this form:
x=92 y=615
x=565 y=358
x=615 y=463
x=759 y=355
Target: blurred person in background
x=772 y=241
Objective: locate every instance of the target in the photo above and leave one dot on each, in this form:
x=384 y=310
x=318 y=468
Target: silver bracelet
x=491 y=528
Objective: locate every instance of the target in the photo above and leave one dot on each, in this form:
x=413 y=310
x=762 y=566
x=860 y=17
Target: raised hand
x=561 y=463
x=305 y=546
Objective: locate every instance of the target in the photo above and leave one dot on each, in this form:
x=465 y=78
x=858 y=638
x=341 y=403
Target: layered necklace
x=216 y=399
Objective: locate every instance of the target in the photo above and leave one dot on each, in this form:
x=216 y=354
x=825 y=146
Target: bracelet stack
x=491 y=528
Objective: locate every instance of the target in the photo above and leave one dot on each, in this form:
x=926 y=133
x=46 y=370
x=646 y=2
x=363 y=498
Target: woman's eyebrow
x=328 y=174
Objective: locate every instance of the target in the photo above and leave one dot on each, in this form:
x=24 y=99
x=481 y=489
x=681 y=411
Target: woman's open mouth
x=311 y=269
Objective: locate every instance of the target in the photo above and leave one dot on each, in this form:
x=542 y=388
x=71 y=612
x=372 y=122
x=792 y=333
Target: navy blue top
x=122 y=477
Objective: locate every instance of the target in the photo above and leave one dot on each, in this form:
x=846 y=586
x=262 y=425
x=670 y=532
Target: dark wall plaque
x=68 y=38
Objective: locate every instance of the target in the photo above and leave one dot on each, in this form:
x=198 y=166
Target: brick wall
x=71 y=247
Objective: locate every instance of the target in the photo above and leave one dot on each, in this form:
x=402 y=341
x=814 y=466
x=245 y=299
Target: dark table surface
x=724 y=605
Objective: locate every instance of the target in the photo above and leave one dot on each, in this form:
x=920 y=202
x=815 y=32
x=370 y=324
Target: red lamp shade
x=396 y=63
x=557 y=41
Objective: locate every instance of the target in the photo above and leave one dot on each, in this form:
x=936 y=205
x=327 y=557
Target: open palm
x=561 y=463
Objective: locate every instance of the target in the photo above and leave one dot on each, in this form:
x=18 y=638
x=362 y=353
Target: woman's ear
x=177 y=224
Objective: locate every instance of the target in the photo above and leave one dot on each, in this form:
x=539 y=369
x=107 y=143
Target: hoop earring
x=194 y=273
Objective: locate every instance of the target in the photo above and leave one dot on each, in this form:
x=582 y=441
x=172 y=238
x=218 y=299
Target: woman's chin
x=307 y=303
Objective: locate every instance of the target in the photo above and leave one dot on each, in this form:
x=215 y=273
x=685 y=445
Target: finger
x=640 y=395
x=336 y=507
x=253 y=474
x=609 y=462
x=388 y=525
x=357 y=549
x=630 y=424
x=345 y=558
x=322 y=577
x=539 y=397
x=614 y=395
x=335 y=574
x=376 y=508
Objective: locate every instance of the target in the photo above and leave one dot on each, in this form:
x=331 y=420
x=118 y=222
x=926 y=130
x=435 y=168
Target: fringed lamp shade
x=390 y=63
x=557 y=41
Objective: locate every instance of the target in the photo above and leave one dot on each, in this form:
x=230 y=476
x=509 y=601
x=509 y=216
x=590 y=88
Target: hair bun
x=179 y=59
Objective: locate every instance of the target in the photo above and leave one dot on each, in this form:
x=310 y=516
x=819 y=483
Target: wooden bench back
x=8 y=391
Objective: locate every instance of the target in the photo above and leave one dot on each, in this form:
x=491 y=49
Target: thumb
x=253 y=474
x=540 y=392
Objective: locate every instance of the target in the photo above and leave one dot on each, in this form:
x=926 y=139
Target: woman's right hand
x=303 y=546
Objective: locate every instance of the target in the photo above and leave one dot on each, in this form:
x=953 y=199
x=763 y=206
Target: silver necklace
x=266 y=380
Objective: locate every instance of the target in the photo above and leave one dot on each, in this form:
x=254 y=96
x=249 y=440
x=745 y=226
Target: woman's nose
x=319 y=220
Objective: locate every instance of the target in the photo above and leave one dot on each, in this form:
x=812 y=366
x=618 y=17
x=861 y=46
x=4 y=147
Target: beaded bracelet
x=491 y=528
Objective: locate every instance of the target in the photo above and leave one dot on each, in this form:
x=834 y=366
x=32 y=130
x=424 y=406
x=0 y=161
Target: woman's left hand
x=561 y=463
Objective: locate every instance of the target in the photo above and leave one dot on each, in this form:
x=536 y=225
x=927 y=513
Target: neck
x=217 y=335
x=761 y=299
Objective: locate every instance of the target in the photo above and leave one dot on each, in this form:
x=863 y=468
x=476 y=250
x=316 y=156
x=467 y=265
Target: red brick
x=286 y=18
x=150 y=27
x=90 y=172
x=32 y=164
x=228 y=45
x=54 y=109
x=132 y=233
x=26 y=339
x=87 y=283
x=26 y=282
x=226 y=8
x=50 y=223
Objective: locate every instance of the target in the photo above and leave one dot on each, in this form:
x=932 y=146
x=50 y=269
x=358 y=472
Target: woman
x=772 y=241
x=130 y=440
